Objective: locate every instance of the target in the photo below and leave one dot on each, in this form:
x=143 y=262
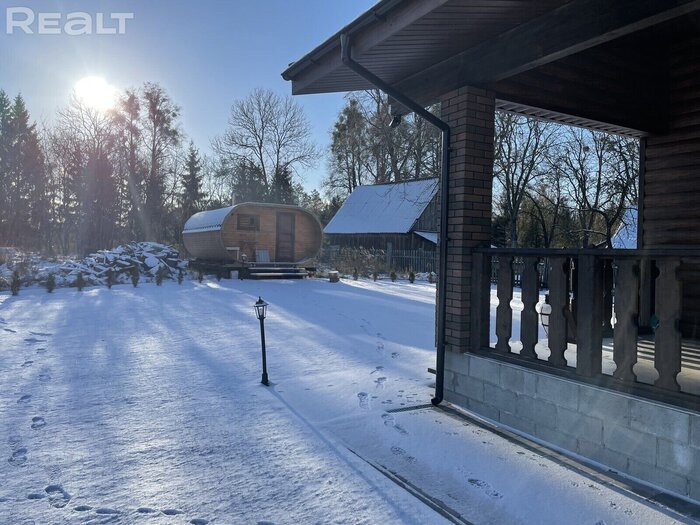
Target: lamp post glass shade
x=260 y=308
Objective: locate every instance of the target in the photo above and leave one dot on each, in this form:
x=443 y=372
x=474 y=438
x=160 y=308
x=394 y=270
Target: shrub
x=360 y=260
x=135 y=275
x=16 y=283
x=80 y=282
x=411 y=277
x=392 y=275
x=110 y=278
x=50 y=283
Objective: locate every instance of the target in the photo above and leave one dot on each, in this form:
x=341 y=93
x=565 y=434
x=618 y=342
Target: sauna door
x=285 y=237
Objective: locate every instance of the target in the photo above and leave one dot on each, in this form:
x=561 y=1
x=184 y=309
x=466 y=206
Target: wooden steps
x=259 y=272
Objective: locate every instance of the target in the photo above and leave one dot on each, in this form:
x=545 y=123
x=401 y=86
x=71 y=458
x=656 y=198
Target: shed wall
x=307 y=238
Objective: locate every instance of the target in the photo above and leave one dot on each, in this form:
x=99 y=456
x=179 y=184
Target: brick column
x=470 y=113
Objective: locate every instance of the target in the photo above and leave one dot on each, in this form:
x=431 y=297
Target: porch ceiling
x=588 y=58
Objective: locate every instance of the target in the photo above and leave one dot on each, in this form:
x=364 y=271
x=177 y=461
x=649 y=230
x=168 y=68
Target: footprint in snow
x=199 y=521
x=146 y=510
x=394 y=355
x=41 y=350
x=10 y=331
x=58 y=497
x=35 y=496
x=398 y=451
x=364 y=399
x=380 y=382
x=34 y=340
x=44 y=377
x=172 y=512
x=26 y=398
x=54 y=472
x=18 y=457
x=106 y=511
x=40 y=334
x=82 y=508
x=380 y=347
x=38 y=423
x=27 y=364
x=376 y=369
x=488 y=489
x=389 y=421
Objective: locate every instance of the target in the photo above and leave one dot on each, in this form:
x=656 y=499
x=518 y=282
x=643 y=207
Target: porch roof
x=592 y=63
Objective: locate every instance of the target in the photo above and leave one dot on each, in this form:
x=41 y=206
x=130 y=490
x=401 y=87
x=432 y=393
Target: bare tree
x=602 y=172
x=521 y=148
x=162 y=136
x=82 y=146
x=366 y=149
x=268 y=133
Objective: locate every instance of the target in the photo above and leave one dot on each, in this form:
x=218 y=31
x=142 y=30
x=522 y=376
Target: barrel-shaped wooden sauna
x=253 y=232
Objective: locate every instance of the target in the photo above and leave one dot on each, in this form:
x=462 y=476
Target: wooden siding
x=671 y=207
x=429 y=220
x=204 y=245
x=381 y=241
x=213 y=245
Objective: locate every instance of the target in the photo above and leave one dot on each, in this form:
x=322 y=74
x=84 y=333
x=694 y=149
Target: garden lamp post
x=261 y=312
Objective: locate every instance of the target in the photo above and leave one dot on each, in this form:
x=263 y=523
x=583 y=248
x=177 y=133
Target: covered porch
x=623 y=394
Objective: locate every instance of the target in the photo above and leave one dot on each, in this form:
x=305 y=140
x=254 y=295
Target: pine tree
x=80 y=282
x=135 y=275
x=110 y=278
x=191 y=181
x=50 y=283
x=24 y=172
x=282 y=188
x=16 y=283
x=5 y=212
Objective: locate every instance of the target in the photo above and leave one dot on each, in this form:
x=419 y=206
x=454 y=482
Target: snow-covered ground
x=144 y=406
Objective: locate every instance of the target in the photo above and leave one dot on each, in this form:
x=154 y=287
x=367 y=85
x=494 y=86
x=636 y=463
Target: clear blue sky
x=206 y=53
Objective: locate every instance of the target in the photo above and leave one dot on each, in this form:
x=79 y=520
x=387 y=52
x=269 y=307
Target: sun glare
x=96 y=93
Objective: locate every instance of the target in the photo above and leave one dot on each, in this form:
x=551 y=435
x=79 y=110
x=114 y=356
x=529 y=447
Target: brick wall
x=470 y=113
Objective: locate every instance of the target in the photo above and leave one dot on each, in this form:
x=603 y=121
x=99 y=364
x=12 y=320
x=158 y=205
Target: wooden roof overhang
x=594 y=63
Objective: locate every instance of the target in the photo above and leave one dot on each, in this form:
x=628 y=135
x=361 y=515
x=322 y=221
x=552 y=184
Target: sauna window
x=249 y=222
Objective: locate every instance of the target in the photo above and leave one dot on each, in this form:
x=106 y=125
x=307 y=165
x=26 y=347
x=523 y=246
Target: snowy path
x=144 y=406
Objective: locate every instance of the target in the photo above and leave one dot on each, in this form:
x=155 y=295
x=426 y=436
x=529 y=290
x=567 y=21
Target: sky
x=205 y=53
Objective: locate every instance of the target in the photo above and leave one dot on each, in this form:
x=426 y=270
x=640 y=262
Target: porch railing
x=603 y=303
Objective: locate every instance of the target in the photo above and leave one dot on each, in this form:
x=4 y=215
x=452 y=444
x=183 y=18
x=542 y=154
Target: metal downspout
x=345 y=46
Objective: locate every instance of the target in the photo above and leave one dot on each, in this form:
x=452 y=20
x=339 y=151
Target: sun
x=96 y=93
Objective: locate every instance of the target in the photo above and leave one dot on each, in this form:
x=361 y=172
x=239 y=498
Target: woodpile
x=149 y=257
